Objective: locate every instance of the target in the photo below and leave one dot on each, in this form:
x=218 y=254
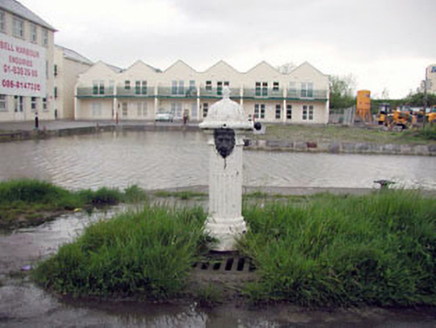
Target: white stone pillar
x=225 y=125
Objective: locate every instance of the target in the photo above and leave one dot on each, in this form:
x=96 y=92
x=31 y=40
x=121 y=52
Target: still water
x=158 y=160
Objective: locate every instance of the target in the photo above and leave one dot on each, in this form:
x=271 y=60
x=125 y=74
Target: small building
x=431 y=78
x=68 y=64
x=26 y=59
x=141 y=91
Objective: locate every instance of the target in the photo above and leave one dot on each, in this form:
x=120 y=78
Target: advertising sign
x=23 y=71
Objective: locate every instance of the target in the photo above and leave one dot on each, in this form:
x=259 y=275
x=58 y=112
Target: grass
x=377 y=249
x=427 y=133
x=147 y=254
x=374 y=249
x=183 y=195
x=331 y=134
x=30 y=202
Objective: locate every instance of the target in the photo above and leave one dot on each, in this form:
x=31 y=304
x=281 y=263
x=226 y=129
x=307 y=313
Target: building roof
x=72 y=55
x=18 y=9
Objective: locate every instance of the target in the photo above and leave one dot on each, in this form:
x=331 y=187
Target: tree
x=286 y=68
x=341 y=91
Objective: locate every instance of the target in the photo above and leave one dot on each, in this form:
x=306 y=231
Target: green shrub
x=30 y=191
x=375 y=249
x=148 y=253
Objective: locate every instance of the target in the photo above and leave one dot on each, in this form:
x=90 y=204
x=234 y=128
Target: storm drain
x=230 y=264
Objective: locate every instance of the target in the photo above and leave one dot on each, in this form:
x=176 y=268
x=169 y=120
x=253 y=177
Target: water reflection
x=157 y=160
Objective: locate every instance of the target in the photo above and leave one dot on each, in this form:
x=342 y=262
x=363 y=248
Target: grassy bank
x=30 y=202
x=147 y=254
x=331 y=134
x=327 y=251
x=374 y=249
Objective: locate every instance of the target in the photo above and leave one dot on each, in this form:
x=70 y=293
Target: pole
x=425 y=97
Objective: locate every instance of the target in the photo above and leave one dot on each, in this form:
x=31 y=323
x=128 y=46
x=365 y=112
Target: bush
x=148 y=253
x=30 y=191
x=375 y=249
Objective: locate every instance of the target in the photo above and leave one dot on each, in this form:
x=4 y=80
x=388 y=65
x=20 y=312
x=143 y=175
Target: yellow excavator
x=431 y=116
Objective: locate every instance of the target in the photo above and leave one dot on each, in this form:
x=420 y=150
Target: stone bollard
x=225 y=125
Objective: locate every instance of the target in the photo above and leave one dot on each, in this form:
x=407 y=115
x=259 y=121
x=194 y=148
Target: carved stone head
x=224 y=141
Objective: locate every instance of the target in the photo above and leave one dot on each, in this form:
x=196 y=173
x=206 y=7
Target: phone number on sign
x=20 y=71
x=21 y=85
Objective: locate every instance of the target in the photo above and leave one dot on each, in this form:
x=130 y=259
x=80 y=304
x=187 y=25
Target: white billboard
x=23 y=68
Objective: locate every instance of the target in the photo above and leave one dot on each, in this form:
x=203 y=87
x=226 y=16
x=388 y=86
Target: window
x=219 y=88
x=18 y=104
x=141 y=87
x=127 y=85
x=33 y=33
x=138 y=87
x=124 y=109
x=55 y=91
x=34 y=104
x=181 y=87
x=44 y=37
x=44 y=104
x=209 y=85
x=278 y=111
x=178 y=87
x=276 y=86
x=289 y=112
x=141 y=108
x=192 y=90
x=2 y=21
x=55 y=70
x=176 y=108
x=98 y=87
x=292 y=90
x=261 y=88
x=259 y=111
x=205 y=109
x=306 y=90
x=308 y=113
x=194 y=111
x=96 y=109
x=95 y=87
x=3 y=103
x=18 y=28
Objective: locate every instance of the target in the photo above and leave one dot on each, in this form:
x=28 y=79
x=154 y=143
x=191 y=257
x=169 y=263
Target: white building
x=68 y=64
x=26 y=60
x=431 y=78
x=104 y=92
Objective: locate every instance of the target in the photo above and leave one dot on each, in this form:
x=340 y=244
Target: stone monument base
x=226 y=231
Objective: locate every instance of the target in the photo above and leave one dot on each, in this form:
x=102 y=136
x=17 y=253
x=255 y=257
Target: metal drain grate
x=226 y=265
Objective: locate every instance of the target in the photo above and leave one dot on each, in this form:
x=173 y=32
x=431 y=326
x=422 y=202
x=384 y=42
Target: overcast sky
x=384 y=44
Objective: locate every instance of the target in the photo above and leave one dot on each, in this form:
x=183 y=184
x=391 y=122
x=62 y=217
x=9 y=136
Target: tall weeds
x=147 y=253
x=375 y=249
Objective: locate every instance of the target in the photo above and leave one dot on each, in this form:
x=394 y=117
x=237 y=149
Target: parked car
x=164 y=117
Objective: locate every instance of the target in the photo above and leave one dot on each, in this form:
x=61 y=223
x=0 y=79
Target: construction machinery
x=431 y=116
x=363 y=105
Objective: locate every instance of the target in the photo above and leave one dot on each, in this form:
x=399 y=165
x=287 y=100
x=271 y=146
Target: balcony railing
x=190 y=93
x=95 y=92
x=218 y=93
x=263 y=93
x=135 y=92
x=169 y=92
x=307 y=94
